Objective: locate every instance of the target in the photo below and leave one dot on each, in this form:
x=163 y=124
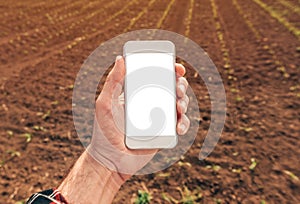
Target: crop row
x=60 y=34
x=293 y=29
x=164 y=15
x=34 y=15
x=292 y=7
x=138 y=16
x=189 y=19
x=275 y=59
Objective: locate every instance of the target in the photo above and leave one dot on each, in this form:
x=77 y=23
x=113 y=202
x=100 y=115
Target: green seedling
x=253 y=164
x=168 y=198
x=294 y=88
x=218 y=201
x=10 y=133
x=13 y=153
x=180 y=163
x=46 y=115
x=292 y=175
x=263 y=202
x=247 y=129
x=235 y=153
x=28 y=137
x=239 y=170
x=54 y=103
x=187 y=196
x=214 y=167
x=38 y=128
x=239 y=98
x=233 y=90
x=143 y=197
x=164 y=174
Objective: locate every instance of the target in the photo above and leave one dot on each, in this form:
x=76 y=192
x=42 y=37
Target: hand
x=90 y=181
x=107 y=146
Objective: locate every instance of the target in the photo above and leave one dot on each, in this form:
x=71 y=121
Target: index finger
x=180 y=70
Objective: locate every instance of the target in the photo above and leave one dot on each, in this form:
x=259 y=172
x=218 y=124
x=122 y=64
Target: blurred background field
x=255 y=45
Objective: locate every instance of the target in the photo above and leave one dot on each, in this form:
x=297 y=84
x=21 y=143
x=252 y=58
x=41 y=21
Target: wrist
x=107 y=161
x=117 y=178
x=90 y=182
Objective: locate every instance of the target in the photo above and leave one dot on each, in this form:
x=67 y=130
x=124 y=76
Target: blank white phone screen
x=151 y=91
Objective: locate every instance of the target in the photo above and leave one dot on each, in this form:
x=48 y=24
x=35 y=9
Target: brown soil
x=39 y=62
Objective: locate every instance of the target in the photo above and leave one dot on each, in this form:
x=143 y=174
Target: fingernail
x=118 y=57
x=183 y=105
x=182 y=88
x=182 y=127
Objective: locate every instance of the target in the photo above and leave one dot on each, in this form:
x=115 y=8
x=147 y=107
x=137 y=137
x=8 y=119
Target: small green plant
x=180 y=163
x=233 y=90
x=187 y=196
x=28 y=137
x=214 y=167
x=54 y=103
x=239 y=98
x=38 y=128
x=247 y=129
x=239 y=170
x=143 y=197
x=235 y=153
x=46 y=115
x=70 y=87
x=13 y=153
x=218 y=201
x=291 y=174
x=294 y=88
x=263 y=202
x=164 y=174
x=253 y=164
x=10 y=154
x=10 y=133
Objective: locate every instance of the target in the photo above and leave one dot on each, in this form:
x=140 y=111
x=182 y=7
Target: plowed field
x=255 y=45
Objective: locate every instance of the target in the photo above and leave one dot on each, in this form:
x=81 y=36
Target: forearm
x=90 y=182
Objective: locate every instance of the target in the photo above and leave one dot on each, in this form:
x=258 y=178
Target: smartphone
x=150 y=95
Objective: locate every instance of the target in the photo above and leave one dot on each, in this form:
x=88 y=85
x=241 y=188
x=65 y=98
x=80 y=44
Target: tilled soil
x=257 y=53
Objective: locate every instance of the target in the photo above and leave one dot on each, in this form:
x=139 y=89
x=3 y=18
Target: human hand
x=108 y=146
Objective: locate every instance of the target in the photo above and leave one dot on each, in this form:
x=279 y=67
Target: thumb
x=114 y=80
